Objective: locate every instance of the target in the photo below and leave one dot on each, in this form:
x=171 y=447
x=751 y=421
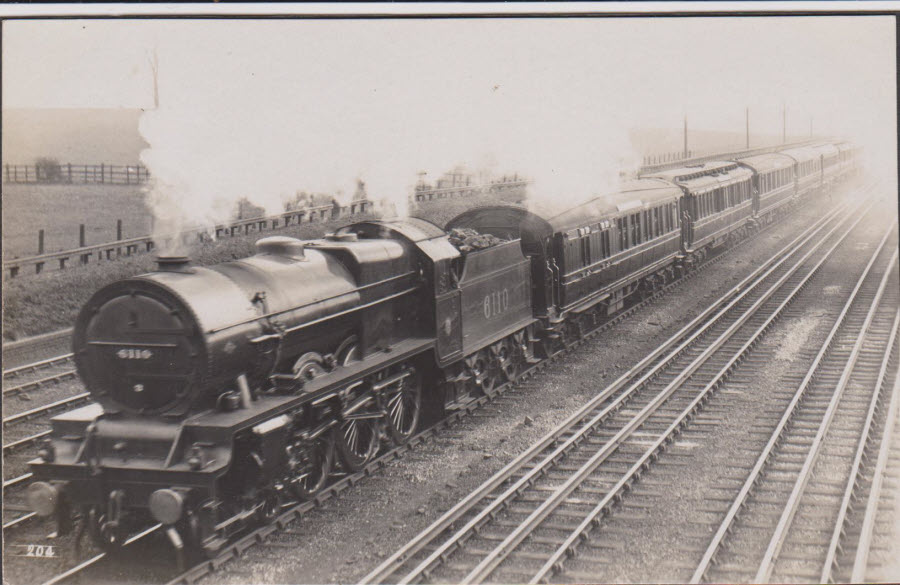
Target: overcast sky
x=709 y=68
x=412 y=94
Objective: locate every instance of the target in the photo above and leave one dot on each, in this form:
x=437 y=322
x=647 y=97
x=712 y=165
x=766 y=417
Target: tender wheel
x=485 y=372
x=508 y=359
x=403 y=402
x=571 y=333
x=310 y=464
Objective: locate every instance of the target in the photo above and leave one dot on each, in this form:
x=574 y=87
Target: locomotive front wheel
x=309 y=366
x=107 y=535
x=404 y=405
x=358 y=441
x=348 y=351
x=311 y=465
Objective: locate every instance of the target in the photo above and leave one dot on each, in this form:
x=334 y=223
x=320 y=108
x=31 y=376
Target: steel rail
x=776 y=542
x=774 y=440
x=866 y=437
x=34 y=384
x=237 y=548
x=398 y=558
x=13 y=372
x=97 y=558
x=500 y=552
x=861 y=560
x=10 y=483
x=19 y=520
x=10 y=447
x=46 y=408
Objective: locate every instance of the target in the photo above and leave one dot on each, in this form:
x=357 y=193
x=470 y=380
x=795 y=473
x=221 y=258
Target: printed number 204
x=39 y=551
x=495 y=303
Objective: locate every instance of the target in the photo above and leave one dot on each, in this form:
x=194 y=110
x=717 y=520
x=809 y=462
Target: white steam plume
x=250 y=124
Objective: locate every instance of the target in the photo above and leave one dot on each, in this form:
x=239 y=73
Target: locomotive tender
x=224 y=392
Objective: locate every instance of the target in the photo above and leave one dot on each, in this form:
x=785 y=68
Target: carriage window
x=636 y=229
x=623 y=233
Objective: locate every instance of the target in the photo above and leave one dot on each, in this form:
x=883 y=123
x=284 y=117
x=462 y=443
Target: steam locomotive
x=223 y=392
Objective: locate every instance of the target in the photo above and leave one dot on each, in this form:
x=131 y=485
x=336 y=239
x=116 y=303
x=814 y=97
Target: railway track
x=32 y=393
x=524 y=522
x=344 y=482
x=36 y=366
x=793 y=517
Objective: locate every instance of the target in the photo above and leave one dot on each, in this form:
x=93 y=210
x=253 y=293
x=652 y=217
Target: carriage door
x=687 y=222
x=754 y=187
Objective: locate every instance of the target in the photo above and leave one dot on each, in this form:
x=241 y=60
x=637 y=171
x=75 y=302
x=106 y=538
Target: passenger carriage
x=807 y=169
x=717 y=201
x=773 y=182
x=830 y=160
x=608 y=247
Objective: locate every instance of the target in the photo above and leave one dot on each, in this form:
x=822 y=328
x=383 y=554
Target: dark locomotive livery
x=223 y=393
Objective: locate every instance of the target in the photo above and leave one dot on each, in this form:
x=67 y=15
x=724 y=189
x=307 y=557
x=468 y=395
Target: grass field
x=59 y=209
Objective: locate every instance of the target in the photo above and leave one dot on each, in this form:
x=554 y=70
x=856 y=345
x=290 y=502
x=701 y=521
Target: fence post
x=102 y=172
x=40 y=242
x=127 y=175
x=118 y=229
x=81 y=240
x=69 y=169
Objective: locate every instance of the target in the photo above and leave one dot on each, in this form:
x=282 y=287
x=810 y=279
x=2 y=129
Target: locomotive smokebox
x=173 y=263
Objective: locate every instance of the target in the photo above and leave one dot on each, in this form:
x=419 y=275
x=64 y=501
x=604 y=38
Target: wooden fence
x=86 y=254
x=76 y=174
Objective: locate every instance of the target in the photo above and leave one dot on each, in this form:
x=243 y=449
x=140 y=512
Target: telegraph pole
x=783 y=124
x=685 y=138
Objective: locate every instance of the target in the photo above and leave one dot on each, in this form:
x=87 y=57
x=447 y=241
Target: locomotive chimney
x=173 y=263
